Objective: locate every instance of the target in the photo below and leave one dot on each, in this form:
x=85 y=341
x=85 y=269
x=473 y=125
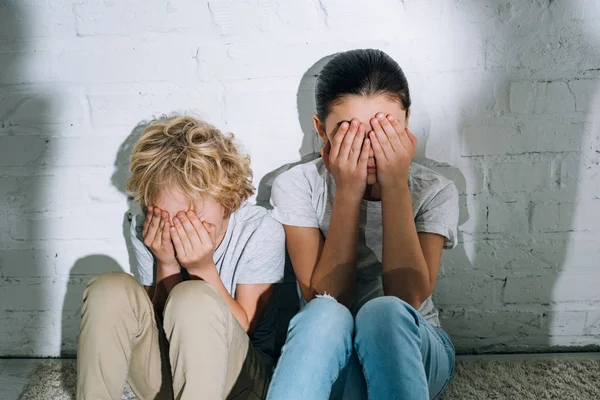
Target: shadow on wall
x=81 y=273
x=27 y=110
x=285 y=294
x=525 y=131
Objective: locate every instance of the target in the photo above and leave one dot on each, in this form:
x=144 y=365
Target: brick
x=527 y=290
x=522 y=97
x=469 y=179
x=130 y=61
x=69 y=224
x=131 y=104
x=508 y=217
x=520 y=177
x=90 y=258
x=473 y=214
x=21 y=150
x=27 y=66
x=48 y=192
x=580 y=180
x=549 y=288
x=512 y=324
x=31 y=19
x=240 y=19
x=584 y=91
x=540 y=97
x=82 y=151
x=245 y=61
x=494 y=258
x=592 y=324
x=573 y=253
x=9 y=192
x=518 y=136
x=467 y=290
x=43 y=105
x=566 y=323
x=565 y=217
x=131 y=18
x=28 y=263
x=577 y=287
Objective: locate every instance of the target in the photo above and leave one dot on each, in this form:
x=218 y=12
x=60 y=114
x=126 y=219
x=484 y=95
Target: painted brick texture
x=506 y=103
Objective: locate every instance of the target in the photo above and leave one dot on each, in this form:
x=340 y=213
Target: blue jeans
x=388 y=352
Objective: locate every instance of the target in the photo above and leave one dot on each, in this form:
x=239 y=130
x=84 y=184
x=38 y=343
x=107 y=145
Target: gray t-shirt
x=252 y=252
x=303 y=196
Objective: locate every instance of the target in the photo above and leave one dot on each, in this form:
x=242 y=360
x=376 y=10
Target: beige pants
x=200 y=352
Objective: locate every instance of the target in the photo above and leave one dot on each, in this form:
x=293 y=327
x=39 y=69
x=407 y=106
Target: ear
x=320 y=128
x=408 y=116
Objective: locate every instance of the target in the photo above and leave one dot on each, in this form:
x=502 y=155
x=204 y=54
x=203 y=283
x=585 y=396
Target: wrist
x=168 y=266
x=396 y=187
x=201 y=268
x=347 y=195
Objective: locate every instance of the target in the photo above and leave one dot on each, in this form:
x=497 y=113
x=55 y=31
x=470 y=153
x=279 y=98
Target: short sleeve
x=264 y=254
x=145 y=263
x=440 y=215
x=291 y=198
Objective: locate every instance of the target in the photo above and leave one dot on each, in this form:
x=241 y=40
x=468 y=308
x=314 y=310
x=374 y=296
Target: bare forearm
x=335 y=273
x=405 y=271
x=167 y=276
x=211 y=276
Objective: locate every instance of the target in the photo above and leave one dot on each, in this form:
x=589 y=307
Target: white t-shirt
x=252 y=252
x=303 y=196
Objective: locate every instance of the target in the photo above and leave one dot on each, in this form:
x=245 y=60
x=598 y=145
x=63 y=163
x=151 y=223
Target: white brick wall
x=506 y=104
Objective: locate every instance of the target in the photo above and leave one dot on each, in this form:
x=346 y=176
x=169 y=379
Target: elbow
x=419 y=296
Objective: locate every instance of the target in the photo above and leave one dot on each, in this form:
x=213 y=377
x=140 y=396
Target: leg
x=351 y=384
x=211 y=355
x=317 y=348
x=119 y=334
x=402 y=355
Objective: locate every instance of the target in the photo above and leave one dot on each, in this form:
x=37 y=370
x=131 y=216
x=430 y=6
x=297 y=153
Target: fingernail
x=344 y=125
x=190 y=213
x=380 y=116
x=354 y=123
x=391 y=118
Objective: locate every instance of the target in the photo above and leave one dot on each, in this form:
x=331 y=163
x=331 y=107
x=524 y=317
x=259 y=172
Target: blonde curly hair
x=192 y=155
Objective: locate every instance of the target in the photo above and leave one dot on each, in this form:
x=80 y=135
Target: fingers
x=208 y=233
x=357 y=144
x=197 y=225
x=344 y=153
x=166 y=232
x=338 y=138
x=153 y=225
x=383 y=138
x=364 y=154
x=377 y=147
x=393 y=135
x=183 y=236
x=177 y=243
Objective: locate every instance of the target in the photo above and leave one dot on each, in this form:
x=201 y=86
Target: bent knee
x=326 y=316
x=111 y=286
x=195 y=298
x=386 y=310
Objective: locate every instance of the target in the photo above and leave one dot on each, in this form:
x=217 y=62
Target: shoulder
x=255 y=219
x=425 y=184
x=307 y=175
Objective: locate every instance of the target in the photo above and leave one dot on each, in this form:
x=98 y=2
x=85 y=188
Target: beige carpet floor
x=473 y=380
